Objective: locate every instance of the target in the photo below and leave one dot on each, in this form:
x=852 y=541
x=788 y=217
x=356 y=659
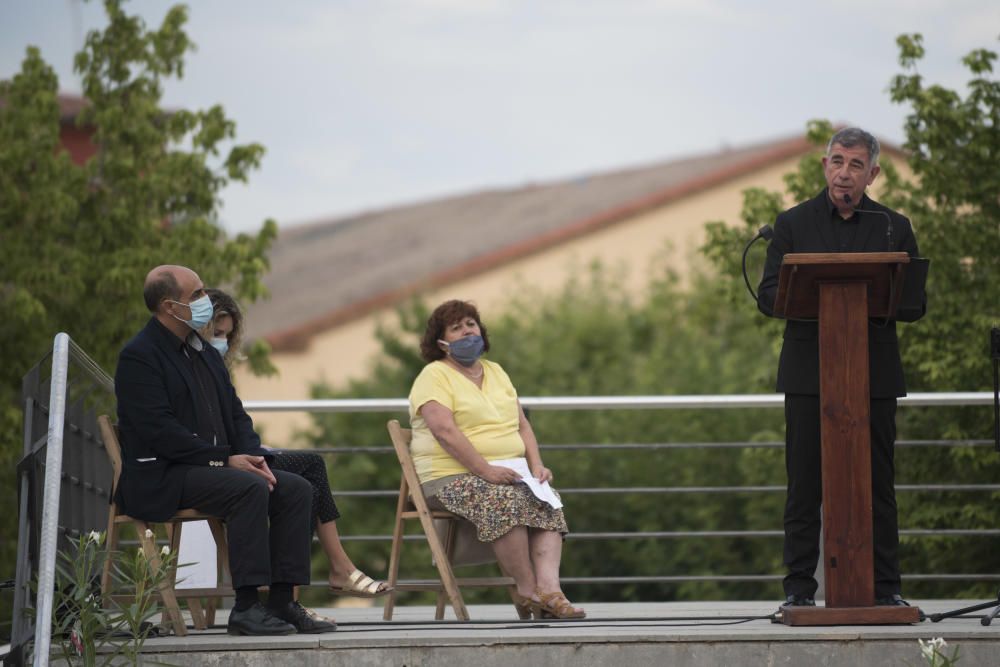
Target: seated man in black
x=188 y=443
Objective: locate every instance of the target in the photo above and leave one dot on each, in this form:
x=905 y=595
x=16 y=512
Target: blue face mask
x=220 y=344
x=465 y=350
x=201 y=312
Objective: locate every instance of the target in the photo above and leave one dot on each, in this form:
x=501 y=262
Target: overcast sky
x=364 y=104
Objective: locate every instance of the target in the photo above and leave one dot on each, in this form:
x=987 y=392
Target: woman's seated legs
x=512 y=552
x=341 y=565
x=531 y=557
x=312 y=467
x=546 y=554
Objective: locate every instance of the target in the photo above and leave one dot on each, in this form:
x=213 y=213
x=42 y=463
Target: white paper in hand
x=542 y=490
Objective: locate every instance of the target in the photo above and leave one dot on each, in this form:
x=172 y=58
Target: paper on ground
x=542 y=490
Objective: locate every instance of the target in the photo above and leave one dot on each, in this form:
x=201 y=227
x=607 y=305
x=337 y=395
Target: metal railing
x=942 y=399
x=734 y=401
x=703 y=534
x=64 y=479
x=63 y=448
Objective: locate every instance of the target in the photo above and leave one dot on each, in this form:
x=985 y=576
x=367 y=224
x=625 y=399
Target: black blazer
x=158 y=422
x=800 y=229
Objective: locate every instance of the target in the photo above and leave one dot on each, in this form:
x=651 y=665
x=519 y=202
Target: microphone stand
x=888 y=221
x=888 y=241
x=995 y=354
x=985 y=620
x=767 y=234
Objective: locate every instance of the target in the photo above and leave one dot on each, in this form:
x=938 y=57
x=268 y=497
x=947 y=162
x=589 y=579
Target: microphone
x=888 y=240
x=767 y=234
x=888 y=221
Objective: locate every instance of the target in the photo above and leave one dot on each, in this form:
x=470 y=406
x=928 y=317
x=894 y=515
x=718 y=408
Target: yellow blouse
x=488 y=417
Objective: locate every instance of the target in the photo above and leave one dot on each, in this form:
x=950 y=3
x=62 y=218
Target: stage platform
x=692 y=634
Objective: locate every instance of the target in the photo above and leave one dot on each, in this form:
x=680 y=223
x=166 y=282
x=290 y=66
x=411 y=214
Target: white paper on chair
x=542 y=490
x=198 y=549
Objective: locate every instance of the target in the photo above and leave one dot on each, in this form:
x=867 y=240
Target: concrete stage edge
x=613 y=634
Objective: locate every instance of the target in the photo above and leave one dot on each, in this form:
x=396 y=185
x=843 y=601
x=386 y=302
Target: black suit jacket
x=800 y=229
x=158 y=422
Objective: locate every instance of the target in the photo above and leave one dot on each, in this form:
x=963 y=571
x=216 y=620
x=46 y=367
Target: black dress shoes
x=257 y=620
x=894 y=600
x=798 y=601
x=304 y=621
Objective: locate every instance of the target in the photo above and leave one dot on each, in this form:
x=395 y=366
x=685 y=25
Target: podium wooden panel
x=842 y=290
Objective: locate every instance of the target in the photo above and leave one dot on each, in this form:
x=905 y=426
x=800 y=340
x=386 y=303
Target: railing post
x=50 y=507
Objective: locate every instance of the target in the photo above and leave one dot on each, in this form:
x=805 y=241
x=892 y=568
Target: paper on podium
x=198 y=550
x=542 y=490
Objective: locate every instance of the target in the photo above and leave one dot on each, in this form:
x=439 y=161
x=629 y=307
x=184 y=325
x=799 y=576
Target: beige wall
x=347 y=351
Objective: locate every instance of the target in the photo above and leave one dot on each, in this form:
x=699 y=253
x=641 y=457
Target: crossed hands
x=255 y=464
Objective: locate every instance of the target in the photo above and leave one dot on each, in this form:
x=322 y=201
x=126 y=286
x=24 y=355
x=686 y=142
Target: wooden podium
x=843 y=290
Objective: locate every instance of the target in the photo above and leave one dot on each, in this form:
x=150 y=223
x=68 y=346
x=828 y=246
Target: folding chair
x=168 y=594
x=412 y=505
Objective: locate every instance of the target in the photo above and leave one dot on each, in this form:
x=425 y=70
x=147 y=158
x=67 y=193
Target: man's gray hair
x=849 y=137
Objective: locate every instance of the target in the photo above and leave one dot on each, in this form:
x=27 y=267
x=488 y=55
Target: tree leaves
x=77 y=241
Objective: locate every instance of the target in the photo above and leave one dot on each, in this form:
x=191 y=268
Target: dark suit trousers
x=269 y=531
x=805 y=495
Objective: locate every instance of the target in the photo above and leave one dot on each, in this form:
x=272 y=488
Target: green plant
x=84 y=627
x=932 y=652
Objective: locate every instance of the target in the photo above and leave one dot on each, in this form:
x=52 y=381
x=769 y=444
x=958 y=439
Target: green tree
x=77 y=241
x=953 y=143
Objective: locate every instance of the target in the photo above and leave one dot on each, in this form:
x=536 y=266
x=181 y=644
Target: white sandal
x=360 y=585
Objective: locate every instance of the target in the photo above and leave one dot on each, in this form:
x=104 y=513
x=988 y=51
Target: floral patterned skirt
x=497 y=508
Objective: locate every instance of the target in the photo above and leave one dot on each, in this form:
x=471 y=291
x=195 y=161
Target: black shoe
x=894 y=600
x=257 y=620
x=798 y=601
x=304 y=621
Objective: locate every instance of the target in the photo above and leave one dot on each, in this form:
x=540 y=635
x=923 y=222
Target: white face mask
x=220 y=344
x=201 y=312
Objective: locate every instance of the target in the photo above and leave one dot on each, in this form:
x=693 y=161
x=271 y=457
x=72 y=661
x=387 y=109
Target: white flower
x=165 y=550
x=94 y=536
x=139 y=551
x=149 y=533
x=932 y=647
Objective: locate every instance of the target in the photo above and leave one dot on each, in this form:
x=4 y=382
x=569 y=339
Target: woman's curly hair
x=444 y=315
x=223 y=304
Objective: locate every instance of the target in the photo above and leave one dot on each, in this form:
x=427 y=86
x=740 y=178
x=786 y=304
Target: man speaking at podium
x=841 y=218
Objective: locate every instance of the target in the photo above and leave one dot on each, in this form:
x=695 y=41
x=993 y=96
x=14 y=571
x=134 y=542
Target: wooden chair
x=412 y=505
x=168 y=594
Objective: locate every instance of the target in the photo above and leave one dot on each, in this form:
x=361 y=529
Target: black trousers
x=269 y=531
x=805 y=495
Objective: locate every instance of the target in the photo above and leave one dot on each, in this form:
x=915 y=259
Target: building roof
x=325 y=274
x=70 y=107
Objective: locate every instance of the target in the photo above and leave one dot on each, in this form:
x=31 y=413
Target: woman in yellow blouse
x=464 y=413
